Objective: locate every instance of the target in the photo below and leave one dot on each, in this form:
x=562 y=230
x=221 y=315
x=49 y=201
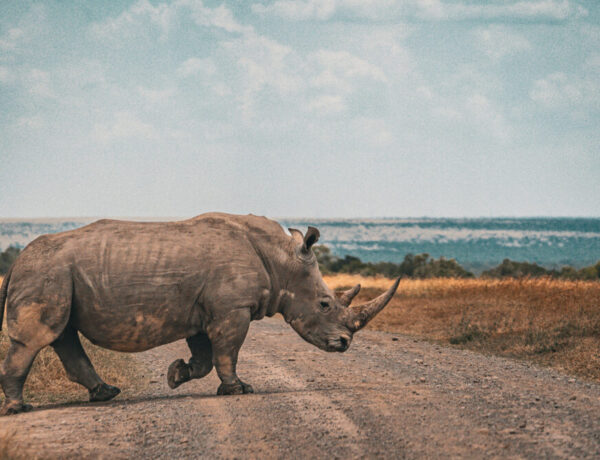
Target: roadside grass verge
x=47 y=382
x=547 y=321
x=10 y=448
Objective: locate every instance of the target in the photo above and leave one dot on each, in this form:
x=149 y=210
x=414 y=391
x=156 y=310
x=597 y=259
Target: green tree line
x=7 y=257
x=424 y=266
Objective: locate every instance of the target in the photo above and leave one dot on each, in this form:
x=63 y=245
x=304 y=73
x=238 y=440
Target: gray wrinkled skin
x=131 y=286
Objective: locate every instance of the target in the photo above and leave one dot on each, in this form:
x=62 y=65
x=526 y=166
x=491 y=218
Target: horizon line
x=177 y=218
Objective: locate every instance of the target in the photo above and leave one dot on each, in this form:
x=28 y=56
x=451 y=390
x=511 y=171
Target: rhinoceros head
x=314 y=311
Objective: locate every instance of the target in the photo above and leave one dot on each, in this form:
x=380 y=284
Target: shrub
x=511 y=269
x=7 y=258
x=413 y=266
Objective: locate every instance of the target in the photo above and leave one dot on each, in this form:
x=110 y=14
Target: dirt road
x=388 y=396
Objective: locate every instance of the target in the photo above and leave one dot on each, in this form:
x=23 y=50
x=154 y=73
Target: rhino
x=131 y=286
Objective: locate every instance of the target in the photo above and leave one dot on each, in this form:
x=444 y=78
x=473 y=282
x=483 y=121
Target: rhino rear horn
x=345 y=298
x=360 y=315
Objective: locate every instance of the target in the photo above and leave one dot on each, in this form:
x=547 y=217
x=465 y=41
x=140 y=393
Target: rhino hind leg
x=79 y=368
x=13 y=374
x=199 y=365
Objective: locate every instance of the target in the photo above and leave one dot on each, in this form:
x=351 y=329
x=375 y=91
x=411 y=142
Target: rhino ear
x=297 y=235
x=311 y=237
x=306 y=241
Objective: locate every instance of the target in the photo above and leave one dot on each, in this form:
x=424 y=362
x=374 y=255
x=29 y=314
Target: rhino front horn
x=360 y=315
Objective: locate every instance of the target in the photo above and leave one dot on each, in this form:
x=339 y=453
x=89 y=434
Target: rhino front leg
x=227 y=336
x=200 y=364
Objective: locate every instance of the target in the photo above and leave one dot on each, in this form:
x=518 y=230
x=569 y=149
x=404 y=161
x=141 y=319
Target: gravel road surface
x=389 y=396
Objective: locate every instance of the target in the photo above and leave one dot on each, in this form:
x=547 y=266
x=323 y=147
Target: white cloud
x=324 y=77
x=271 y=68
x=138 y=15
x=196 y=66
x=498 y=41
x=593 y=63
x=553 y=10
x=5 y=75
x=142 y=16
x=32 y=122
x=38 y=83
x=323 y=10
x=126 y=125
x=484 y=114
x=24 y=30
x=264 y=63
x=474 y=110
x=11 y=38
x=470 y=78
x=447 y=112
x=372 y=131
x=327 y=79
x=327 y=104
x=559 y=90
x=221 y=89
x=342 y=64
x=433 y=10
x=220 y=16
x=155 y=96
x=83 y=74
x=337 y=74
x=425 y=92
x=590 y=31
x=299 y=10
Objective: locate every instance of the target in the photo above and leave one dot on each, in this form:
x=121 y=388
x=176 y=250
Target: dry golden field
x=551 y=322
x=48 y=383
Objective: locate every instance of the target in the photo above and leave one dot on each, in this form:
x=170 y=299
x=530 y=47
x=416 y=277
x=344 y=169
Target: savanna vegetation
x=422 y=266
x=553 y=322
x=7 y=257
x=511 y=269
x=413 y=266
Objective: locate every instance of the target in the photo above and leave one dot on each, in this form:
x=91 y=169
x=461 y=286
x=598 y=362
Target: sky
x=331 y=108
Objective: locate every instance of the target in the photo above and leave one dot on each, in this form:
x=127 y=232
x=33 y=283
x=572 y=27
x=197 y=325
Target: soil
x=389 y=396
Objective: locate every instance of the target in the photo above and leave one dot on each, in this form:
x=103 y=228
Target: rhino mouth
x=340 y=344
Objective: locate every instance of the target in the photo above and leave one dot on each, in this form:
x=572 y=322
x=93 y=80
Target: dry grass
x=551 y=322
x=10 y=449
x=48 y=383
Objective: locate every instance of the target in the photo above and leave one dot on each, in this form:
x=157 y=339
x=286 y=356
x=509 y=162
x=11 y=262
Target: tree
x=7 y=258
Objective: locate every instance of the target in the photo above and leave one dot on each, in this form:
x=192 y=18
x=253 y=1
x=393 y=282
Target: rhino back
x=141 y=284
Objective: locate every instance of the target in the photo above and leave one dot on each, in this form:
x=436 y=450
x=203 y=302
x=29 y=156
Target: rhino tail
x=3 y=293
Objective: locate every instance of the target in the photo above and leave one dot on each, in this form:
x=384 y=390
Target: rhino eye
x=324 y=305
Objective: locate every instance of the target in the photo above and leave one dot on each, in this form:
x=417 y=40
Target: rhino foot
x=178 y=373
x=11 y=408
x=103 y=392
x=247 y=388
x=234 y=388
